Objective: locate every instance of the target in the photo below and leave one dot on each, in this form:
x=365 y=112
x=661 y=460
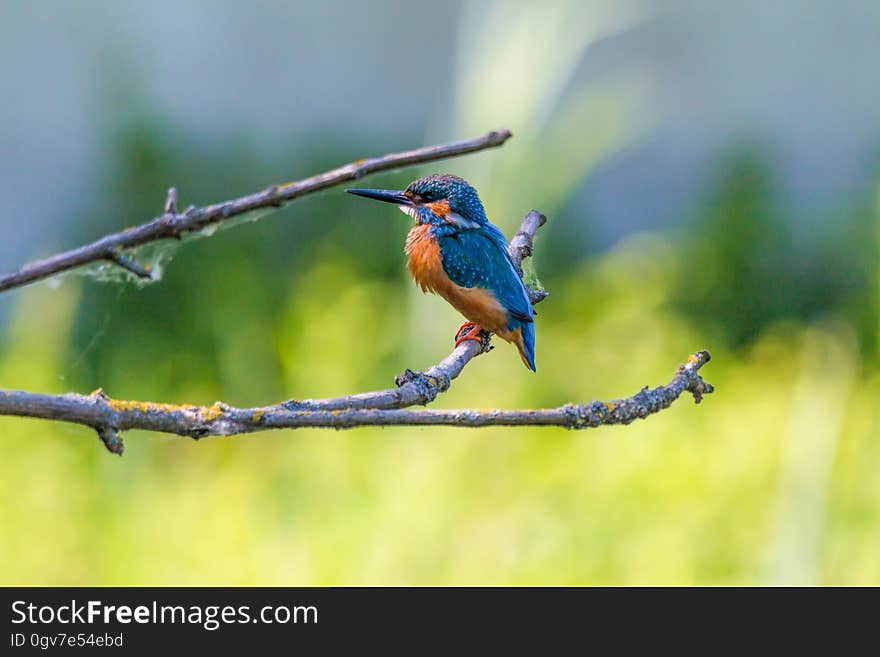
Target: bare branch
x=111 y=416
x=521 y=247
x=174 y=225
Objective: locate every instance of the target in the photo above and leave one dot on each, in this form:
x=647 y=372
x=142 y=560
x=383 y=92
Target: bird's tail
x=526 y=346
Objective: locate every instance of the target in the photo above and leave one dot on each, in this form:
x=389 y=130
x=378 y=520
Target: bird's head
x=438 y=199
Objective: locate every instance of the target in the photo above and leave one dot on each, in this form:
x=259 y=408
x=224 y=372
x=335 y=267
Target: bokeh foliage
x=770 y=480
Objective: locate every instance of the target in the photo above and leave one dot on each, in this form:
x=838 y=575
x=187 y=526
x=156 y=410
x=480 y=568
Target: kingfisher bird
x=454 y=251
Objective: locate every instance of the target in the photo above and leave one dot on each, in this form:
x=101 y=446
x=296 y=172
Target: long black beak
x=387 y=195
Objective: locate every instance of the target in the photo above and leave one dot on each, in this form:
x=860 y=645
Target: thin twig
x=174 y=225
x=130 y=265
x=171 y=201
x=521 y=247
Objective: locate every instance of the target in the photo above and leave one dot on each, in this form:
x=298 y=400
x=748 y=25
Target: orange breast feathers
x=477 y=304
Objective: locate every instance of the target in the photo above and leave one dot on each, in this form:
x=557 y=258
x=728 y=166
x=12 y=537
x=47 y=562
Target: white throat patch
x=410 y=210
x=451 y=217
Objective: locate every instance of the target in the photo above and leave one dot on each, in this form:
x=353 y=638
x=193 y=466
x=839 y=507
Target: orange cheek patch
x=439 y=208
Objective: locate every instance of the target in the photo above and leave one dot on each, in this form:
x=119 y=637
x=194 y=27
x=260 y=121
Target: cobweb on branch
x=156 y=256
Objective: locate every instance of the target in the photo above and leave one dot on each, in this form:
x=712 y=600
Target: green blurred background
x=710 y=179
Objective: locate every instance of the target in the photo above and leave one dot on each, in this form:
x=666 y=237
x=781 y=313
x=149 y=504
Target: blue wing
x=479 y=258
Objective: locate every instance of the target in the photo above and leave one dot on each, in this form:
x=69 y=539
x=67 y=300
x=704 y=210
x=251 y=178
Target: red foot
x=469 y=331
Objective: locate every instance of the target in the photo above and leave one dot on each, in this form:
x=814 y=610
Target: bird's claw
x=475 y=332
